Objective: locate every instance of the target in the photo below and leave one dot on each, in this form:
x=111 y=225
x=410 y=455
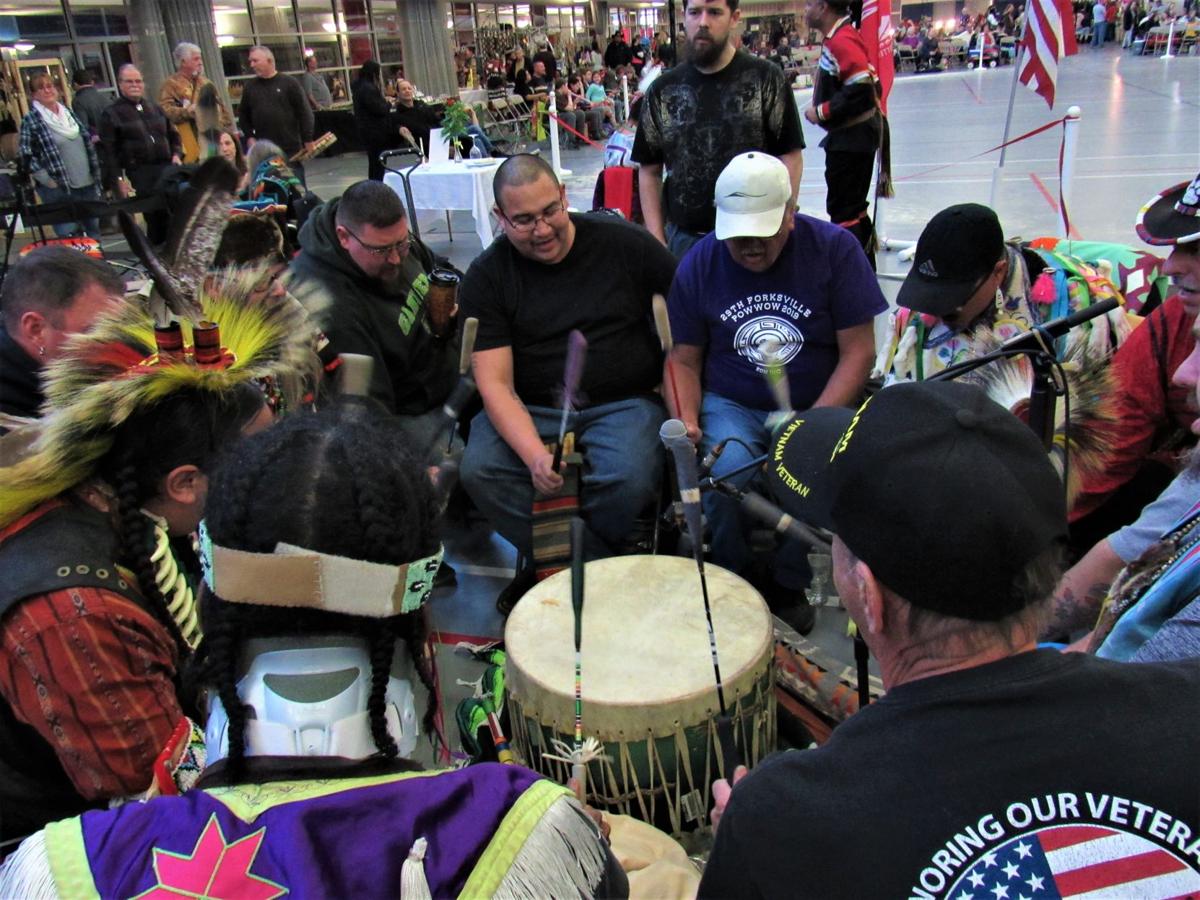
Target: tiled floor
x=1139 y=132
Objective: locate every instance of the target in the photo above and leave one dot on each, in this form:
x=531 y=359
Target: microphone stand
x=1043 y=396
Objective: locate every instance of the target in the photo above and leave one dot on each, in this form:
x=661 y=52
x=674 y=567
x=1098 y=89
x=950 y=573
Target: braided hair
x=188 y=427
x=337 y=482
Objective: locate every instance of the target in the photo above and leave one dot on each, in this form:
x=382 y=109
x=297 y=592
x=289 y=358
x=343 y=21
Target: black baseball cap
x=1172 y=217
x=942 y=492
x=955 y=252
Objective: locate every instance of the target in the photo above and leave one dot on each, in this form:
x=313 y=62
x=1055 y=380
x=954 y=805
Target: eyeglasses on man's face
x=526 y=222
x=401 y=247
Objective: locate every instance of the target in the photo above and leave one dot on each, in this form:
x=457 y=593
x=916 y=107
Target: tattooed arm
x=1082 y=589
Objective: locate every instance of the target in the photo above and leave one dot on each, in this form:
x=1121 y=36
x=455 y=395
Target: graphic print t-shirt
x=791 y=313
x=694 y=124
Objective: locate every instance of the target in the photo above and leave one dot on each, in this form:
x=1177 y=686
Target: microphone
x=774 y=517
x=673 y=434
x=1056 y=328
x=710 y=460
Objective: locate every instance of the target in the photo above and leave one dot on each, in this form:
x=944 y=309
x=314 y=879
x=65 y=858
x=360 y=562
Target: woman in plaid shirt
x=57 y=149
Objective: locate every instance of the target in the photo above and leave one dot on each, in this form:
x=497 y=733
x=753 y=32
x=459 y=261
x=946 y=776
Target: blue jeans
x=721 y=418
x=622 y=470
x=90 y=226
x=1099 y=30
x=679 y=242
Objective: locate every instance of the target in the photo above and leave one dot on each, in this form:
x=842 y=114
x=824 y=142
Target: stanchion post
x=625 y=94
x=1067 y=175
x=1170 y=40
x=555 y=155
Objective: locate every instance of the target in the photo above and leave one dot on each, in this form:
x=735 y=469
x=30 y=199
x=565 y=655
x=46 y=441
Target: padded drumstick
x=777 y=379
x=673 y=434
x=662 y=322
x=578 y=770
x=572 y=373
x=470 y=329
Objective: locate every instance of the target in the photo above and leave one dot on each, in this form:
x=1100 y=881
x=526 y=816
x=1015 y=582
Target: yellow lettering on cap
x=783 y=439
x=844 y=441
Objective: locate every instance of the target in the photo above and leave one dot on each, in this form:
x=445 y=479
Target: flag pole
x=1012 y=96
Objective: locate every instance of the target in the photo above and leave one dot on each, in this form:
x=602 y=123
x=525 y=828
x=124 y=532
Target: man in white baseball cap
x=768 y=290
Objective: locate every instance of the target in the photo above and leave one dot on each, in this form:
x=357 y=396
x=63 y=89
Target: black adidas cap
x=955 y=252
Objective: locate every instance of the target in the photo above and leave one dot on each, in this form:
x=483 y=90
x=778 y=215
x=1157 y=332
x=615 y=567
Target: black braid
x=137 y=544
x=221 y=649
x=382 y=643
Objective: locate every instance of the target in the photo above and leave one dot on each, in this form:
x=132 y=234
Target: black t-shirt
x=603 y=287
x=694 y=124
x=1042 y=772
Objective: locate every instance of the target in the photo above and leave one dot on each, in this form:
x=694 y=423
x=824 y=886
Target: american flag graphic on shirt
x=1087 y=861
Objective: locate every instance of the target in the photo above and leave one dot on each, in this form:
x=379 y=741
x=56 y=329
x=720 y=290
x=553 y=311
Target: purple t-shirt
x=821 y=284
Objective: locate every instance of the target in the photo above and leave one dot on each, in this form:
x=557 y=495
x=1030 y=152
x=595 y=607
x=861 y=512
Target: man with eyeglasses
x=550 y=273
x=357 y=255
x=137 y=145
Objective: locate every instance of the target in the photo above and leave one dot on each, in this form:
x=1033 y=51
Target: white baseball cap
x=752 y=192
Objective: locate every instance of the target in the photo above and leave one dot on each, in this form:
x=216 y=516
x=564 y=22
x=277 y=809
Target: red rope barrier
x=1016 y=140
x=573 y=131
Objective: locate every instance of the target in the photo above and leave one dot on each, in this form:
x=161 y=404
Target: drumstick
x=503 y=751
x=673 y=434
x=777 y=379
x=572 y=373
x=470 y=329
x=578 y=771
x=663 y=323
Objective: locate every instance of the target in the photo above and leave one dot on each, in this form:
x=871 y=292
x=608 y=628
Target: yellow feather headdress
x=115 y=370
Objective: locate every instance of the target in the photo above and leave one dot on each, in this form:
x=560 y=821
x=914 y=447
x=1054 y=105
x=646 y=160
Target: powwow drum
x=649 y=694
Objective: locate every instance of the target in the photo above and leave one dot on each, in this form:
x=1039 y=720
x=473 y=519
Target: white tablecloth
x=451 y=185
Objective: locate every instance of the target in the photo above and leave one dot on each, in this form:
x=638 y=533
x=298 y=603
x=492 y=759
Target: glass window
x=233 y=24
x=316 y=17
x=353 y=15
x=326 y=48
x=274 y=17
x=287 y=53
x=96 y=18
x=385 y=18
x=235 y=55
x=34 y=22
x=389 y=50
x=359 y=49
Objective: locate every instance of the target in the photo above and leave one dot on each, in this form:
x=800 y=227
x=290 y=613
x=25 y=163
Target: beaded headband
x=298 y=577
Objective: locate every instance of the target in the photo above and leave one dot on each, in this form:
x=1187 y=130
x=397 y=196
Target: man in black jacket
x=375 y=275
x=137 y=145
x=49 y=295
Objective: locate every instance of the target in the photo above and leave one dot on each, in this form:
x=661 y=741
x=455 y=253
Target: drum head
x=647 y=665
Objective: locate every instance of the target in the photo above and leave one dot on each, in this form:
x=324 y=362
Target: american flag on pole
x=1049 y=36
x=1091 y=861
x=876 y=29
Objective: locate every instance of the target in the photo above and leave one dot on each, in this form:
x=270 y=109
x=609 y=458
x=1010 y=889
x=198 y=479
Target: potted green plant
x=454 y=126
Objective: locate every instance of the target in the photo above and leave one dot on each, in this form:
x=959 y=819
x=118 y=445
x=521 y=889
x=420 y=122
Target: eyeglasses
x=401 y=247
x=526 y=222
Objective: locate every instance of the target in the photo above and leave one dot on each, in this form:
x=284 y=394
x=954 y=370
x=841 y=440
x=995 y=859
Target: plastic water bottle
x=476 y=153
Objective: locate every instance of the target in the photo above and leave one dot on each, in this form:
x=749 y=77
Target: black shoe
x=522 y=582
x=445 y=577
